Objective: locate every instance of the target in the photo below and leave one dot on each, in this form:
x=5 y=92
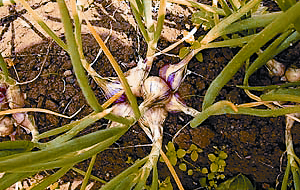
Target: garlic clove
x=110 y=86
x=173 y=74
x=121 y=109
x=23 y=119
x=155 y=89
x=275 y=68
x=136 y=76
x=176 y=104
x=292 y=74
x=6 y=126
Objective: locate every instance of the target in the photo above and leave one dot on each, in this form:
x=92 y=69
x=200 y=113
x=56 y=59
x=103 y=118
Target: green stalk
x=92 y=176
x=9 y=179
x=268 y=54
x=115 y=65
x=270 y=87
x=220 y=108
x=285 y=4
x=132 y=169
x=3 y=66
x=77 y=23
x=225 y=7
x=75 y=57
x=71 y=158
x=215 y=31
x=160 y=20
x=201 y=6
x=139 y=21
x=286 y=175
x=16 y=161
x=296 y=178
x=52 y=178
x=88 y=173
x=250 y=23
x=80 y=125
x=148 y=17
x=277 y=26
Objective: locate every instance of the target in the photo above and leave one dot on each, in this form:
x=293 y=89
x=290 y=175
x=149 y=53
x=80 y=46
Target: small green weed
x=212 y=175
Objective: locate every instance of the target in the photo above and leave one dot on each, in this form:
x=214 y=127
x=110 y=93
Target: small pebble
x=67 y=73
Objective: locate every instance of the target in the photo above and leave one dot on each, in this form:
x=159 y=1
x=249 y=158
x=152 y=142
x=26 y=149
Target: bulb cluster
x=159 y=94
x=291 y=74
x=12 y=98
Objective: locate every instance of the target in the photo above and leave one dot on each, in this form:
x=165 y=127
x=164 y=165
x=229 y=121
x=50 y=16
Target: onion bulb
x=6 y=126
x=292 y=74
x=176 y=104
x=275 y=68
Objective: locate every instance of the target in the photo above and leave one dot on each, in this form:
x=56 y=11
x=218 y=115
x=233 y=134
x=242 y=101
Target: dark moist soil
x=254 y=145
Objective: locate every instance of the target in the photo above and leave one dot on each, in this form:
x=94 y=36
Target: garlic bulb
x=136 y=76
x=275 y=68
x=110 y=86
x=176 y=104
x=121 y=109
x=173 y=74
x=14 y=97
x=292 y=74
x=153 y=119
x=155 y=91
x=6 y=126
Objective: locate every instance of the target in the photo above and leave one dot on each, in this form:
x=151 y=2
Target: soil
x=254 y=145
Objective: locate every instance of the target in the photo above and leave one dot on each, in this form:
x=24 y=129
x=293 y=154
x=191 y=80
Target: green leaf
x=202 y=181
x=194 y=156
x=166 y=184
x=289 y=94
x=181 y=153
x=183 y=52
x=190 y=172
x=182 y=166
x=199 y=57
x=211 y=176
x=195 y=45
x=239 y=182
x=214 y=167
x=221 y=163
x=223 y=155
x=212 y=157
x=222 y=176
x=193 y=147
x=173 y=160
x=199 y=150
x=221 y=169
x=14 y=147
x=170 y=146
x=204 y=170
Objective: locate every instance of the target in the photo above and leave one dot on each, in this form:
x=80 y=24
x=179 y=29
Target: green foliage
x=166 y=184
x=216 y=168
x=239 y=182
